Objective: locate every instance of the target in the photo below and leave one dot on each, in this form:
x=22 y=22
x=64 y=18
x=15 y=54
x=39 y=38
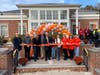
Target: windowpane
x=64 y=23
x=42 y=14
x=49 y=14
x=34 y=25
x=4 y=30
x=34 y=14
x=63 y=14
x=55 y=14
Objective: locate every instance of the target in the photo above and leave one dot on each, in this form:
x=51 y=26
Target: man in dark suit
x=47 y=47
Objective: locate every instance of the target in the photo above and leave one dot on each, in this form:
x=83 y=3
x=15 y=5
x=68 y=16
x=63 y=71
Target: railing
x=85 y=57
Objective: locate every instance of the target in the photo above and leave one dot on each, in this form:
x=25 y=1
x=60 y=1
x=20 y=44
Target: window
x=34 y=14
x=49 y=15
x=24 y=28
x=64 y=23
x=42 y=14
x=63 y=14
x=4 y=30
x=93 y=25
x=34 y=25
x=55 y=14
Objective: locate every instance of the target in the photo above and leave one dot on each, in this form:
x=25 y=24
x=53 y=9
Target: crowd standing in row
x=48 y=47
x=67 y=46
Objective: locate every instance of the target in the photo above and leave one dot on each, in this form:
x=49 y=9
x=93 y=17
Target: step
x=43 y=66
x=57 y=72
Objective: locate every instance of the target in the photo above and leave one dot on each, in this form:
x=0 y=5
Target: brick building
x=30 y=16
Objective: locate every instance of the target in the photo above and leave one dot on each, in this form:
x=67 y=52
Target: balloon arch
x=58 y=28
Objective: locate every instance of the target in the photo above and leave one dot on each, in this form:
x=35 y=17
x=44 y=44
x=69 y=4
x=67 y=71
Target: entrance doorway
x=73 y=29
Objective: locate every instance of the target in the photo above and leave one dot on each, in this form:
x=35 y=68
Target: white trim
x=29 y=22
x=76 y=21
x=12 y=17
x=68 y=24
x=49 y=8
x=21 y=21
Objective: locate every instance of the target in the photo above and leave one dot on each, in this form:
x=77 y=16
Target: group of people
x=48 y=47
x=92 y=36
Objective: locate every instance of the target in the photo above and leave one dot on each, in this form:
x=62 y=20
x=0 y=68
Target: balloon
x=50 y=27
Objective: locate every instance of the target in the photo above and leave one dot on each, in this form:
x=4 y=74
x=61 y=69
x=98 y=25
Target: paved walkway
x=58 y=72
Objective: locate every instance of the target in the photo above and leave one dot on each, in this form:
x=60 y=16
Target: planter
x=23 y=61
x=78 y=60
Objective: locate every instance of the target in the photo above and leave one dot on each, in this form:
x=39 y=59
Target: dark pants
x=36 y=50
x=47 y=53
x=65 y=54
x=27 y=51
x=71 y=54
x=97 y=43
x=81 y=37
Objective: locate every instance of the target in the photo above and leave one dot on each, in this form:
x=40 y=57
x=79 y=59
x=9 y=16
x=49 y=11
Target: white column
x=59 y=16
x=77 y=21
x=68 y=24
x=38 y=18
x=21 y=13
x=29 y=21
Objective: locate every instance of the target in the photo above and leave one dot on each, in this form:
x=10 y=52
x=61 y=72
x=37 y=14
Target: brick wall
x=6 y=62
x=94 y=59
x=12 y=26
x=85 y=22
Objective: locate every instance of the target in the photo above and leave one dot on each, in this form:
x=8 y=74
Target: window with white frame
x=42 y=14
x=24 y=28
x=4 y=30
x=63 y=14
x=55 y=14
x=49 y=14
x=34 y=14
x=34 y=25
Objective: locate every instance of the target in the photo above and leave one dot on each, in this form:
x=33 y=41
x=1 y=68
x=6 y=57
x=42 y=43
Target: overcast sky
x=11 y=4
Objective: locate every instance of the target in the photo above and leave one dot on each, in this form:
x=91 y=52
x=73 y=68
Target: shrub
x=3 y=40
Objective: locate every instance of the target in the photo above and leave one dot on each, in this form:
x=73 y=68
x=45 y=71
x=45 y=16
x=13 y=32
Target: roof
x=48 y=5
x=81 y=11
x=10 y=12
x=85 y=11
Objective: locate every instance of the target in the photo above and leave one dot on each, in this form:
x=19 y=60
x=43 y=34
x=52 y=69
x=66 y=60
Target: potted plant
x=78 y=60
x=23 y=61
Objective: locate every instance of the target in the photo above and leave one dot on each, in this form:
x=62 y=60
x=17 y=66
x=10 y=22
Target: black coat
x=16 y=42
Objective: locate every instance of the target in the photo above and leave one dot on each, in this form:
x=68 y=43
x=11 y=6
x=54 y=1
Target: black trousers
x=71 y=54
x=36 y=50
x=47 y=53
x=65 y=54
x=27 y=51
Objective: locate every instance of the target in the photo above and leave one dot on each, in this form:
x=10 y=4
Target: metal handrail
x=85 y=57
